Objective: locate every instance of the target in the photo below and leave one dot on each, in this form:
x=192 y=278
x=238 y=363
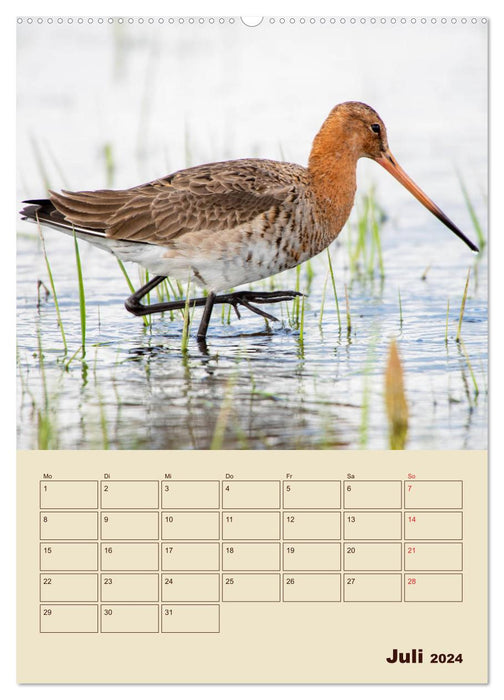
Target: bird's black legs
x=134 y=305
x=205 y=319
x=244 y=299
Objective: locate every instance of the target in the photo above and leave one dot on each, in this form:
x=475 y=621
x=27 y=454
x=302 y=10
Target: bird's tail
x=43 y=211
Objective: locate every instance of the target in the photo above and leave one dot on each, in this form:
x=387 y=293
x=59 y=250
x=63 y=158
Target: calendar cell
x=315 y=525
x=433 y=494
x=68 y=618
x=189 y=587
x=247 y=556
x=372 y=526
x=190 y=618
x=68 y=587
x=130 y=494
x=238 y=525
x=55 y=525
x=251 y=588
x=129 y=526
x=441 y=556
x=68 y=556
x=129 y=618
x=312 y=556
x=251 y=494
x=130 y=556
x=68 y=494
x=322 y=588
x=420 y=525
x=189 y=556
x=177 y=525
x=421 y=588
x=372 y=494
x=377 y=588
x=129 y=587
x=375 y=556
x=190 y=494
x=312 y=494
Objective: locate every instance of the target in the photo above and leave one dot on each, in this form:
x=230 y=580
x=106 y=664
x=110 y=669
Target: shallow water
x=138 y=389
x=255 y=386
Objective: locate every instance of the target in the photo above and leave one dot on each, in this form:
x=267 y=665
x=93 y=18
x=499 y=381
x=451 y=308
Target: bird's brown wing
x=208 y=197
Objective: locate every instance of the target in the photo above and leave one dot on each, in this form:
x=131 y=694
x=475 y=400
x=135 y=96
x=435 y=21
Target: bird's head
x=354 y=130
x=359 y=128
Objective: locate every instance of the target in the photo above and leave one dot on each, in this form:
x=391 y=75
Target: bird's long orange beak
x=390 y=164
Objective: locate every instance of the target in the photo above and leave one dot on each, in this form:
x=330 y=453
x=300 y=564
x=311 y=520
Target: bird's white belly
x=217 y=271
x=216 y=266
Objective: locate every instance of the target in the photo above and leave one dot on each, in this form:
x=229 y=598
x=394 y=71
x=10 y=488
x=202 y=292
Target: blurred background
x=157 y=94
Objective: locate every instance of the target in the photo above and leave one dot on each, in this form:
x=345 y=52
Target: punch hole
x=251 y=21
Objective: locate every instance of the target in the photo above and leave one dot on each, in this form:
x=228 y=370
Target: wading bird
x=238 y=221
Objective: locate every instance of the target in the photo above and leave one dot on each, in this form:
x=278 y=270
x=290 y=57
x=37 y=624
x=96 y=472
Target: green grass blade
x=462 y=307
x=331 y=271
x=301 y=325
x=395 y=400
x=130 y=285
x=375 y=229
x=82 y=297
x=71 y=359
x=53 y=288
x=108 y=157
x=126 y=276
x=185 y=331
x=310 y=274
x=424 y=273
x=472 y=213
x=473 y=378
x=322 y=302
x=296 y=299
x=347 y=308
x=46 y=433
x=224 y=415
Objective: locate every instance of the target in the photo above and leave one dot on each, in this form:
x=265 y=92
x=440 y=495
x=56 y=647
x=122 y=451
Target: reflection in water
x=245 y=395
x=263 y=390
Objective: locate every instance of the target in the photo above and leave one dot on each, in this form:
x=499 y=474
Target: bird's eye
x=375 y=128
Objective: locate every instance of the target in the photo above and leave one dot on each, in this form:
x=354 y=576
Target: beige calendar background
x=252 y=567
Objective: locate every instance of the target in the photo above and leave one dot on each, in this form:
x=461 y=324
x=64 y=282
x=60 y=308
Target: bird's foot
x=245 y=298
x=134 y=305
x=236 y=299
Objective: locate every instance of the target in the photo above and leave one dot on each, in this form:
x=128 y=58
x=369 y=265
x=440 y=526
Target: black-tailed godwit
x=230 y=223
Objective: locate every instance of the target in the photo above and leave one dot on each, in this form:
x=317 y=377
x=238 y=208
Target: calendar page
x=252 y=349
x=233 y=571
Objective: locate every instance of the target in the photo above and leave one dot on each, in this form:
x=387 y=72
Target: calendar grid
x=154 y=556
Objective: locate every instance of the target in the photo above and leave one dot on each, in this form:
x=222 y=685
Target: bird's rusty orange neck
x=332 y=166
